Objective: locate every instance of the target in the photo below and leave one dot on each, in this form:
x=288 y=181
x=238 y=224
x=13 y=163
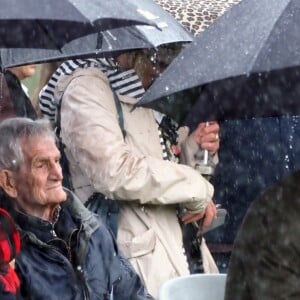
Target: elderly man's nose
x=56 y=170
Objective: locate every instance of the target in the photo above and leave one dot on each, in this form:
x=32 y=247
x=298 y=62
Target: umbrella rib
x=262 y=45
x=143 y=38
x=48 y=33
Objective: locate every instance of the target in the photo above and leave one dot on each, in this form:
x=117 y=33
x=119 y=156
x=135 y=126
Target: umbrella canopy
x=109 y=42
x=254 y=36
x=196 y=15
x=50 y=24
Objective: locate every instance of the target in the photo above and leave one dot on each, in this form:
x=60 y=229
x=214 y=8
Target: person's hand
x=207 y=215
x=207 y=136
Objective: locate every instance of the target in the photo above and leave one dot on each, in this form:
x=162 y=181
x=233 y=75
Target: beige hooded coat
x=133 y=171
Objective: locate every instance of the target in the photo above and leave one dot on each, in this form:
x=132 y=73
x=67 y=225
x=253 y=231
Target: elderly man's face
x=39 y=181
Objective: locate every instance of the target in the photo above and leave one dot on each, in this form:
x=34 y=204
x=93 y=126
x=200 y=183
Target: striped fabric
x=163 y=145
x=124 y=82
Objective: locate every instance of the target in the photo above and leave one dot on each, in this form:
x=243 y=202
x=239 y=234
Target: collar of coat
x=74 y=207
x=125 y=82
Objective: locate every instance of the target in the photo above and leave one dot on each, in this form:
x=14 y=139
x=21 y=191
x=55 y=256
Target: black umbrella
x=50 y=24
x=253 y=37
x=108 y=42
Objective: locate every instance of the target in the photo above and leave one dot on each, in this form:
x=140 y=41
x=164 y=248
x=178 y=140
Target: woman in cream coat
x=131 y=169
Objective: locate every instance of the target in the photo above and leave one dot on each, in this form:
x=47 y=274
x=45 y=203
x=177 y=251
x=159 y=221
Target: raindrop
x=113 y=37
x=287 y=162
x=153 y=57
x=166 y=88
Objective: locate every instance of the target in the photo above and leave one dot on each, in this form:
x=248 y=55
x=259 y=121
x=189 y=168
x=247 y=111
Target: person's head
x=149 y=63
x=30 y=172
x=23 y=72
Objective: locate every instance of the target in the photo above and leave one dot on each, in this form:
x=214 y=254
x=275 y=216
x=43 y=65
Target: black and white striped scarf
x=125 y=82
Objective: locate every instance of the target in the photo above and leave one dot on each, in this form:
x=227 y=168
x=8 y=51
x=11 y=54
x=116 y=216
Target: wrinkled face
x=39 y=180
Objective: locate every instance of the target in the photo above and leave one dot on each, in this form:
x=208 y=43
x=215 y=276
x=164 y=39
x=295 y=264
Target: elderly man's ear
x=8 y=183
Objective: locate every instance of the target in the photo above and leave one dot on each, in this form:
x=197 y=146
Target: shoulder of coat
x=65 y=80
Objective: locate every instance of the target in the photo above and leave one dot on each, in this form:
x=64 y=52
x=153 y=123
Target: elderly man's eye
x=40 y=166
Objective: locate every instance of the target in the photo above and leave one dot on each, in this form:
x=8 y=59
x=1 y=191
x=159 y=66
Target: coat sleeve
x=91 y=132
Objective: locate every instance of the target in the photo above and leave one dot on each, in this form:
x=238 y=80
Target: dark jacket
x=254 y=153
x=257 y=153
x=21 y=103
x=265 y=262
x=77 y=258
x=6 y=107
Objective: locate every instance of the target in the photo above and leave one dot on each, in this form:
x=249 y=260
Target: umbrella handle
x=204 y=167
x=205 y=157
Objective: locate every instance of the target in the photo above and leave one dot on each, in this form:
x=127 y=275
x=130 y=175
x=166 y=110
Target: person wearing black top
x=21 y=102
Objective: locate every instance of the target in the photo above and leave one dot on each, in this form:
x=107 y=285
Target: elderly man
x=66 y=253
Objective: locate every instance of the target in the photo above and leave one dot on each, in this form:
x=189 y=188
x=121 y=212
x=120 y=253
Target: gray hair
x=12 y=131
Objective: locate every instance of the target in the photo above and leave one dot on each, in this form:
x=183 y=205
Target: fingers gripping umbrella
x=109 y=42
x=50 y=24
x=252 y=38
